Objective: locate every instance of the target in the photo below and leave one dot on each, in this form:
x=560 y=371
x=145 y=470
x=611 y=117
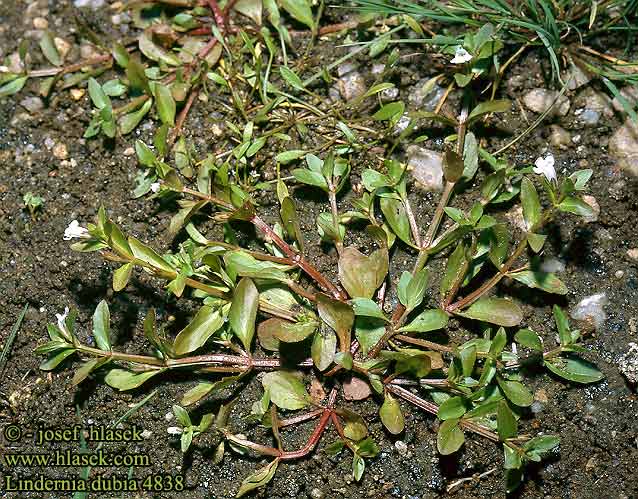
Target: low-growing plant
x=263 y=297
x=32 y=202
x=176 y=56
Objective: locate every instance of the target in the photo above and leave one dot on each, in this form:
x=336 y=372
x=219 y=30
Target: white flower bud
x=74 y=230
x=461 y=56
x=545 y=166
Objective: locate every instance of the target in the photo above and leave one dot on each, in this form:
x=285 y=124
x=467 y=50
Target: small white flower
x=155 y=186
x=61 y=318
x=545 y=166
x=174 y=430
x=461 y=56
x=74 y=230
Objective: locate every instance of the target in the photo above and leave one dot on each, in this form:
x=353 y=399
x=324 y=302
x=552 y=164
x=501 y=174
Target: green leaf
x=562 y=324
x=577 y=206
x=205 y=323
x=243 y=311
x=201 y=390
x=338 y=315
x=308 y=177
x=529 y=339
x=470 y=157
x=355 y=427
x=515 y=392
x=499 y=244
x=507 y=424
x=137 y=77
x=165 y=104
x=293 y=332
x=288 y=156
x=361 y=275
x=375 y=89
x=120 y=54
x=494 y=106
x=258 y=479
x=97 y=94
x=358 y=466
x=246 y=265
x=344 y=359
x=394 y=212
x=536 y=241
x=47 y=45
x=418 y=365
x=286 y=390
x=412 y=289
x=148 y=255
x=129 y=122
x=368 y=308
x=538 y=446
x=291 y=78
x=452 y=408
x=54 y=360
x=495 y=311
x=87 y=368
x=456 y=268
x=580 y=178
x=102 y=326
x=391 y=415
x=512 y=460
x=323 y=348
x=574 y=369
x=300 y=10
x=369 y=331
x=13 y=86
x=449 y=437
x=468 y=359
x=121 y=276
x=428 y=320
x=155 y=52
x=122 y=380
x=290 y=220
x=541 y=280
x=531 y=203
x=389 y=111
x=181 y=415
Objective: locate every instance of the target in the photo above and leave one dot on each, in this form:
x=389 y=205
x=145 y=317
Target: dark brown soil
x=598 y=424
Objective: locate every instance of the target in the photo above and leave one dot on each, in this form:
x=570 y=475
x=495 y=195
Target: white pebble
x=591 y=309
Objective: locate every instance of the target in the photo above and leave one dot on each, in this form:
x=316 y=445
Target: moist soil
x=598 y=424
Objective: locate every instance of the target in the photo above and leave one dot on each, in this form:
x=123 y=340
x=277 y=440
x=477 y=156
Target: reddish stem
x=220 y=19
x=299 y=260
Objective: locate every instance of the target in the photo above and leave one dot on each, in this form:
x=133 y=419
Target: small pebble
x=351 y=86
x=426 y=167
x=623 y=145
x=540 y=99
x=591 y=201
x=129 y=151
x=401 y=447
x=628 y=364
x=62 y=46
x=553 y=265
x=40 y=23
x=77 y=93
x=32 y=104
x=633 y=254
x=60 y=151
x=590 y=309
x=559 y=137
